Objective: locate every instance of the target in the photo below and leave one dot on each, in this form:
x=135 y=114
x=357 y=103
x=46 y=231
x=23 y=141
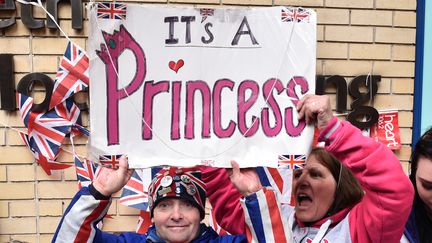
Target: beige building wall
x=354 y=38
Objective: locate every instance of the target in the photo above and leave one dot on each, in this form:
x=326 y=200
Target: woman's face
x=314 y=190
x=424 y=180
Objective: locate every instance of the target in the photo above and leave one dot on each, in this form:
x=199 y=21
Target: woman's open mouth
x=303 y=200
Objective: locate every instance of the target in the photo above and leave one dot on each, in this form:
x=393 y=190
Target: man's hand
x=109 y=181
x=245 y=180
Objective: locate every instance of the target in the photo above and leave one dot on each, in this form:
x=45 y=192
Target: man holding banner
x=176 y=201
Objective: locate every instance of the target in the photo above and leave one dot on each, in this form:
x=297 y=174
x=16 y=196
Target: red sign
x=386 y=130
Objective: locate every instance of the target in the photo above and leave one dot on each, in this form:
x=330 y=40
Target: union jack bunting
x=46 y=131
x=47 y=165
x=295 y=15
x=292 y=162
x=144 y=222
x=214 y=224
x=78 y=129
x=25 y=105
x=86 y=171
x=72 y=75
x=111 y=11
x=69 y=111
x=110 y=161
x=134 y=193
x=280 y=179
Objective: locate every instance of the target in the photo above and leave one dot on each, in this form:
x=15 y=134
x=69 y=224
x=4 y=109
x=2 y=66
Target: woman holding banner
x=419 y=225
x=330 y=205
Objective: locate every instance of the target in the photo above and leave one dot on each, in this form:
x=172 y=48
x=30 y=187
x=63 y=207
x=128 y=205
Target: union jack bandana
x=184 y=183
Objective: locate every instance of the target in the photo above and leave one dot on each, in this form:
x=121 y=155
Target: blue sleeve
x=79 y=222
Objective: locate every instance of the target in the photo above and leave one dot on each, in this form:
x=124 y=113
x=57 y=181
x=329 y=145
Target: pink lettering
x=290 y=128
x=191 y=88
x=244 y=104
x=150 y=91
x=269 y=85
x=175 y=117
x=217 y=112
x=116 y=44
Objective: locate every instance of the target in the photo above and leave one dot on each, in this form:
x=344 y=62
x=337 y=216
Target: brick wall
x=354 y=38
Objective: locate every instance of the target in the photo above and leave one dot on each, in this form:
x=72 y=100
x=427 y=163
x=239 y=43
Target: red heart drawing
x=175 y=66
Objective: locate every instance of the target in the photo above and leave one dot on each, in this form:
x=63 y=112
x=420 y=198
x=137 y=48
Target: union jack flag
x=86 y=171
x=72 y=75
x=291 y=161
x=111 y=11
x=144 y=222
x=295 y=15
x=280 y=179
x=46 y=131
x=47 y=165
x=135 y=193
x=205 y=12
x=110 y=161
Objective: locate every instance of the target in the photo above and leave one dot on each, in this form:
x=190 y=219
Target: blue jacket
x=85 y=212
x=207 y=234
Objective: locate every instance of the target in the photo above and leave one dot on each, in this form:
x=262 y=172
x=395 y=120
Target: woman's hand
x=245 y=180
x=315 y=109
x=109 y=181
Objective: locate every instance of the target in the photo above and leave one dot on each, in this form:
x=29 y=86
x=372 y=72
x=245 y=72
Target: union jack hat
x=177 y=182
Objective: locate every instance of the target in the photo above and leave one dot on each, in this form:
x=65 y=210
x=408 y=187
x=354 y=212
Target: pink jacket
x=379 y=217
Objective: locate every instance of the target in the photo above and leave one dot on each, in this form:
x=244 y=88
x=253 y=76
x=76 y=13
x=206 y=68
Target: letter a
x=240 y=32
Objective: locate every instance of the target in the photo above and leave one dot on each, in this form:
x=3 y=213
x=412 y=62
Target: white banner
x=184 y=86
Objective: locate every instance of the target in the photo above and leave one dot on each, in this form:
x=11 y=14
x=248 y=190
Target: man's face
x=176 y=220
